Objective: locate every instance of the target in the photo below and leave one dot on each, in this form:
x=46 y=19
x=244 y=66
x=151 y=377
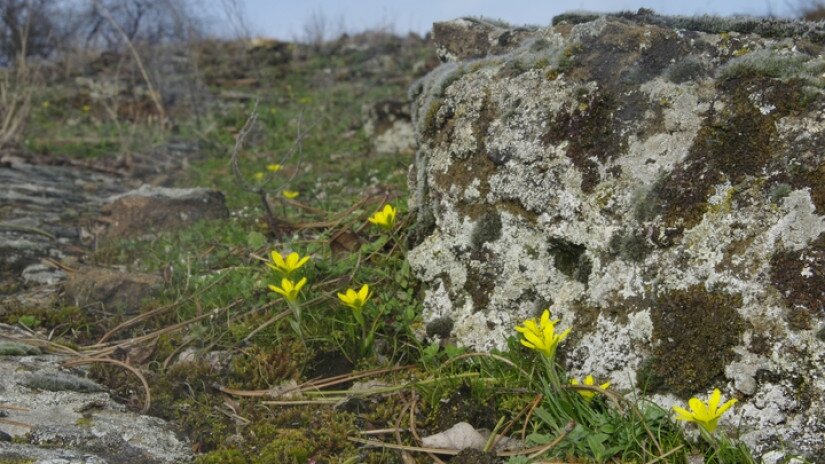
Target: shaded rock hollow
x=659 y=181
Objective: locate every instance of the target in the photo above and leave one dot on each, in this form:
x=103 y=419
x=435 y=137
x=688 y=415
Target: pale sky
x=285 y=19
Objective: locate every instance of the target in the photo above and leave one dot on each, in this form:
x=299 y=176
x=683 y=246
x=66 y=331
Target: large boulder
x=659 y=183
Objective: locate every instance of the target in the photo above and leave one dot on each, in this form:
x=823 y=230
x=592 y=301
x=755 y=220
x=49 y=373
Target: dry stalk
x=148 y=315
x=148 y=395
x=532 y=453
x=153 y=94
x=314 y=385
x=16 y=89
x=297 y=149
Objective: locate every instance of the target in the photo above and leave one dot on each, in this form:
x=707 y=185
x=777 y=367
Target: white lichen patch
x=612 y=350
x=800 y=224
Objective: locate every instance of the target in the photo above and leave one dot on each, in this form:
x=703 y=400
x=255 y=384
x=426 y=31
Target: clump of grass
x=774 y=64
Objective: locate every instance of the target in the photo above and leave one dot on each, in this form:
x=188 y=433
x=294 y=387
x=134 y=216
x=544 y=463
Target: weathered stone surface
x=388 y=124
x=152 y=209
x=474 y=38
x=64 y=417
x=112 y=289
x=659 y=182
x=42 y=212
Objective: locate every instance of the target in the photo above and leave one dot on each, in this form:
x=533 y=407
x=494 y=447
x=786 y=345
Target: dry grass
x=17 y=85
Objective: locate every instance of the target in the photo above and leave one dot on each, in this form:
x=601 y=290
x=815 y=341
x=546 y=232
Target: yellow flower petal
x=726 y=406
x=713 y=402
x=683 y=414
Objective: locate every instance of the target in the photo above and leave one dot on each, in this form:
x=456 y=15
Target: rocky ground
x=66 y=208
x=54 y=214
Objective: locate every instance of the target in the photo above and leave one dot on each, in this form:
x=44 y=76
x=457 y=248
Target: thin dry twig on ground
x=147 y=394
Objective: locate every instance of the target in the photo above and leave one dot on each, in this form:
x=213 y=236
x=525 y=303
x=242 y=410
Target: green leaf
x=255 y=239
x=595 y=442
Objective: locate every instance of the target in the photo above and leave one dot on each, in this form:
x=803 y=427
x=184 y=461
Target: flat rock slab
x=154 y=209
x=64 y=417
x=43 y=213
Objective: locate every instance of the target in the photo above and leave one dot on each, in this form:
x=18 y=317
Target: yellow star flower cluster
x=384 y=218
x=589 y=381
x=705 y=415
x=289 y=289
x=541 y=335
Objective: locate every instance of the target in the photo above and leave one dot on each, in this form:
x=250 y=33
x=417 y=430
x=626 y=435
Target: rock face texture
x=658 y=182
x=57 y=415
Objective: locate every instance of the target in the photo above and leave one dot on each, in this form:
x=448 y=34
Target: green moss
x=733 y=144
x=440 y=326
x=85 y=421
x=289 y=446
x=61 y=381
x=8 y=348
x=258 y=367
x=630 y=245
x=575 y=18
x=767 y=63
x=224 y=456
x=694 y=332
x=815 y=180
x=778 y=192
x=431 y=118
x=480 y=282
x=588 y=127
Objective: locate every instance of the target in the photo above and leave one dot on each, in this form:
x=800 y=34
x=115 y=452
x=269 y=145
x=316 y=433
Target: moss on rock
x=589 y=129
x=800 y=277
x=694 y=333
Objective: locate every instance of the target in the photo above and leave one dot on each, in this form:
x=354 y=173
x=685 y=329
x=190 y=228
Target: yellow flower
x=542 y=336
x=589 y=381
x=384 y=218
x=287 y=266
x=290 y=194
x=356 y=300
x=289 y=289
x=274 y=167
x=705 y=415
x=259 y=176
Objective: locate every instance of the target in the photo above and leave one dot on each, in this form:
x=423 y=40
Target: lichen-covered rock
x=659 y=182
x=387 y=123
x=153 y=209
x=58 y=415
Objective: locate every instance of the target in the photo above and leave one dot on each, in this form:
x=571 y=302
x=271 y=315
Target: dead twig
x=148 y=395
